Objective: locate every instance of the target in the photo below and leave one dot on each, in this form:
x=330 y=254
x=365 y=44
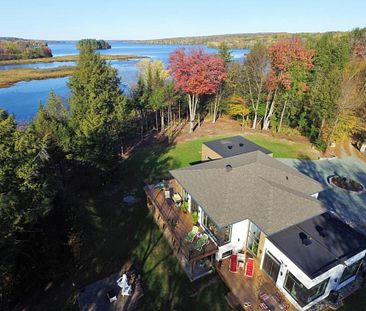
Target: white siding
x=238 y=239
x=333 y=274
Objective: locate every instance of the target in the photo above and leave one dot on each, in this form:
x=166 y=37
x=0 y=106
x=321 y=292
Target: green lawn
x=183 y=154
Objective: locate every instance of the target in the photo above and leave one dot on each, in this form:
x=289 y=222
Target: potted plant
x=184 y=207
x=195 y=218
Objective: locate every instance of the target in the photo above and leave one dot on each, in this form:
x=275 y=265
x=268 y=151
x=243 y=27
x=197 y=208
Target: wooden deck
x=176 y=225
x=247 y=290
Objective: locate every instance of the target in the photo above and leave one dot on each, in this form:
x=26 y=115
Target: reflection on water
x=37 y=65
x=23 y=98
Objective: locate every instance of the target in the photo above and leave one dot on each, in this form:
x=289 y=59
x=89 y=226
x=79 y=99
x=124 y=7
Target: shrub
x=320 y=145
x=184 y=207
x=195 y=217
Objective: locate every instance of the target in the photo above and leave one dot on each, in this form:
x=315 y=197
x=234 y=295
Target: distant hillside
x=17 y=48
x=241 y=40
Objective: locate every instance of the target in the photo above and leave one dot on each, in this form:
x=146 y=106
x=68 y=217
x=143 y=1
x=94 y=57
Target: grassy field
x=67 y=58
x=11 y=76
x=115 y=233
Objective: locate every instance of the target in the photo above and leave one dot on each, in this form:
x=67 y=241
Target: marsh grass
x=67 y=58
x=12 y=76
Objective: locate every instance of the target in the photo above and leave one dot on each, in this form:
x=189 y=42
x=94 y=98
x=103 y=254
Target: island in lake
x=93 y=44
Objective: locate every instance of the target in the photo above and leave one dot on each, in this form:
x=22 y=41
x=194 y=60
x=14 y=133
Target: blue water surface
x=23 y=98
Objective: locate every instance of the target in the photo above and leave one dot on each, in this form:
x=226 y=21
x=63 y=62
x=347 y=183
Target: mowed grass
x=189 y=152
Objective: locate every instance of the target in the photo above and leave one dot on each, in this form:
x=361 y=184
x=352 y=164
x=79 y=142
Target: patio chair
x=241 y=260
x=202 y=241
x=167 y=194
x=263 y=306
x=122 y=282
x=112 y=295
x=191 y=235
x=249 y=268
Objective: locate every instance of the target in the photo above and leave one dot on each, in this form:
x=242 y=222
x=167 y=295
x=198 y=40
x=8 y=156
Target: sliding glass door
x=271 y=266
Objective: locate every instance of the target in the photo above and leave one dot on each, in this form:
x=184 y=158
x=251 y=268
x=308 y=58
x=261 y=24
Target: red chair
x=233 y=267
x=249 y=268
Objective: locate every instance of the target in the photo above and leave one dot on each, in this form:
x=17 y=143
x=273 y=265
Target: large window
x=271 y=266
x=300 y=293
x=222 y=236
x=350 y=271
x=253 y=238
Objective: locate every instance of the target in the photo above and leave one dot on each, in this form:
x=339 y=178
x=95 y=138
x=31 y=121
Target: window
x=271 y=266
x=253 y=238
x=222 y=236
x=194 y=206
x=227 y=254
x=300 y=293
x=350 y=271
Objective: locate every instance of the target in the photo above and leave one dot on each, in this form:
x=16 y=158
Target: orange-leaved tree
x=196 y=73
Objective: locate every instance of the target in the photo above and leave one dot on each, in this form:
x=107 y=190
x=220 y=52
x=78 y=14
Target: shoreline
x=11 y=76
x=66 y=58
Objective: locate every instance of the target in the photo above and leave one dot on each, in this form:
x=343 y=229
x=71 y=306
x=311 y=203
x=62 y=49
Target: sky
x=149 y=19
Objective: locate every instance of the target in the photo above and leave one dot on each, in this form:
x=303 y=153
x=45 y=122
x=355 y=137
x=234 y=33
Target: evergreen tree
x=95 y=99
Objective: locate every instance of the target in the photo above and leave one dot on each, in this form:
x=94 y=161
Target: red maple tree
x=196 y=73
x=287 y=57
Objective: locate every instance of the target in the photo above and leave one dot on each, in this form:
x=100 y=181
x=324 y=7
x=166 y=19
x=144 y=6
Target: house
x=248 y=202
x=228 y=147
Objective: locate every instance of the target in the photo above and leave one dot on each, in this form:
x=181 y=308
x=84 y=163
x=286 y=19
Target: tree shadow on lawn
x=167 y=287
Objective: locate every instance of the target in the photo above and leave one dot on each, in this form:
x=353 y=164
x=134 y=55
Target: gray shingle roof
x=256 y=187
x=232 y=146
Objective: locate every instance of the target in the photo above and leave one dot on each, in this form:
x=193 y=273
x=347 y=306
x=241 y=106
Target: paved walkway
x=351 y=207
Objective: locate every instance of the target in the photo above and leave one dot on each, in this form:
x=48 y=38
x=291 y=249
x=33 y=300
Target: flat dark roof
x=319 y=244
x=232 y=146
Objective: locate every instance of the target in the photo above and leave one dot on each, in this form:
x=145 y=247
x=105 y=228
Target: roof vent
x=321 y=231
x=241 y=145
x=230 y=147
x=228 y=168
x=305 y=239
x=286 y=177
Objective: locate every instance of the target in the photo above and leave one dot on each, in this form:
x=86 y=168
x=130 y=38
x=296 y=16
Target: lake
x=23 y=98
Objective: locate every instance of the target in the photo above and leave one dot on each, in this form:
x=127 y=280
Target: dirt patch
x=225 y=127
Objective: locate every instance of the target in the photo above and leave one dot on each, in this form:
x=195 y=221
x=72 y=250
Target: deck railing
x=178 y=225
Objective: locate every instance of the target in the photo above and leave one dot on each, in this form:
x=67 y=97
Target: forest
x=237 y=41
x=312 y=87
x=14 y=48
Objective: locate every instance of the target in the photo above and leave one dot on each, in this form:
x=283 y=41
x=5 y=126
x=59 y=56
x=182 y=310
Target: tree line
x=237 y=41
x=23 y=49
x=315 y=88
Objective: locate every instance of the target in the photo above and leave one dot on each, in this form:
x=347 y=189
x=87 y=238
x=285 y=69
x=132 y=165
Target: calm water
x=23 y=98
